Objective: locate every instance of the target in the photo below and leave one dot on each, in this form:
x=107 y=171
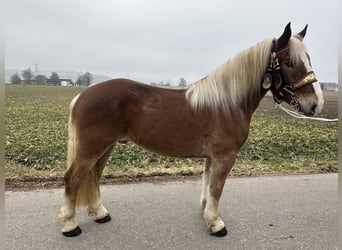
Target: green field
x=36 y=135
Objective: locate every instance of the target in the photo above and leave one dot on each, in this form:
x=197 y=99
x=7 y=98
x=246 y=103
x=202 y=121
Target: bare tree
x=15 y=79
x=41 y=79
x=54 y=79
x=27 y=75
x=85 y=79
x=182 y=82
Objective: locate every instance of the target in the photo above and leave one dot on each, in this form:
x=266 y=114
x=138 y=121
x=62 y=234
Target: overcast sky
x=156 y=40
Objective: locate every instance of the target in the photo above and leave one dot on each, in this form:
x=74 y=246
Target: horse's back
x=105 y=96
x=121 y=102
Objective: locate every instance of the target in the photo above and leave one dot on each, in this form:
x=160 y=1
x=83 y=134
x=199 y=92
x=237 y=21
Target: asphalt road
x=288 y=212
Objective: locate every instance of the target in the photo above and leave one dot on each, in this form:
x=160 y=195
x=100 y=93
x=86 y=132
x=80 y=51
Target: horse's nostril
x=313 y=108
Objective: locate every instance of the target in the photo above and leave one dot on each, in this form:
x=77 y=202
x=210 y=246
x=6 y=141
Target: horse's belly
x=170 y=144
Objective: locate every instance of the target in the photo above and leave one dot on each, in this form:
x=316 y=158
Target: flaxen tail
x=88 y=192
x=71 y=136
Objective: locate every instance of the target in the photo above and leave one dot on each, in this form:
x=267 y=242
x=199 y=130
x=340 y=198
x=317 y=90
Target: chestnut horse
x=208 y=119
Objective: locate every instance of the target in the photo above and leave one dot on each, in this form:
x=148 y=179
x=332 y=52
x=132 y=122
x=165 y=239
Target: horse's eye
x=289 y=64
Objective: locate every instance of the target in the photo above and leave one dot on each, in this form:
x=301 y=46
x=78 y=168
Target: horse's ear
x=301 y=34
x=285 y=37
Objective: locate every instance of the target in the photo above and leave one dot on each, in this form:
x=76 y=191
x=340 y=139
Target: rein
x=300 y=116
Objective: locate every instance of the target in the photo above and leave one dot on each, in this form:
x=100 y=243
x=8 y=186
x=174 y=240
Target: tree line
x=28 y=77
x=181 y=83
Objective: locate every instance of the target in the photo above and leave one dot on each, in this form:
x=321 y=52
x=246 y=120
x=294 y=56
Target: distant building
x=60 y=82
x=329 y=86
x=67 y=82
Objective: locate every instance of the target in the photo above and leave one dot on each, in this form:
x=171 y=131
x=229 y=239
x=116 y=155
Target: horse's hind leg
x=72 y=181
x=220 y=167
x=96 y=208
x=82 y=188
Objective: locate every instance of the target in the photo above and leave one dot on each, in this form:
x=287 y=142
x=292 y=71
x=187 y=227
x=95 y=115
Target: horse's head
x=290 y=70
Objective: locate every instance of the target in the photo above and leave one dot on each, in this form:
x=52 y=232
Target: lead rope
x=300 y=116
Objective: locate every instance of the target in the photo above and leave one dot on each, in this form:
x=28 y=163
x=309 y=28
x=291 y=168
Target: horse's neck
x=253 y=104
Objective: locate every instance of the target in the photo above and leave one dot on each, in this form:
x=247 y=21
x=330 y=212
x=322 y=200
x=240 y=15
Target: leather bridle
x=274 y=79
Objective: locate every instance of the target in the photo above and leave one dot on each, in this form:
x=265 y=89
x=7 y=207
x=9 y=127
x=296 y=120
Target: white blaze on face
x=318 y=91
x=316 y=86
x=301 y=55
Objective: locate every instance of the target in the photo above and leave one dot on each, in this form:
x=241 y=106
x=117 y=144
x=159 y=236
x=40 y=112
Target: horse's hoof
x=73 y=233
x=104 y=219
x=221 y=233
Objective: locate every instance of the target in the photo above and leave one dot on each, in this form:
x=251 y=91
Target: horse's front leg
x=205 y=184
x=220 y=167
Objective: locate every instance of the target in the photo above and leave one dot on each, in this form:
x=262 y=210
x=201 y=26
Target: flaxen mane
x=234 y=83
x=297 y=51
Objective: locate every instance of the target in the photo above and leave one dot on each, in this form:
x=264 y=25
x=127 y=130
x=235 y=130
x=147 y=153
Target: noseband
x=274 y=79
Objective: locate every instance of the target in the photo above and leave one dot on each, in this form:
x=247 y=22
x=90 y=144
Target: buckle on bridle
x=288 y=90
x=294 y=102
